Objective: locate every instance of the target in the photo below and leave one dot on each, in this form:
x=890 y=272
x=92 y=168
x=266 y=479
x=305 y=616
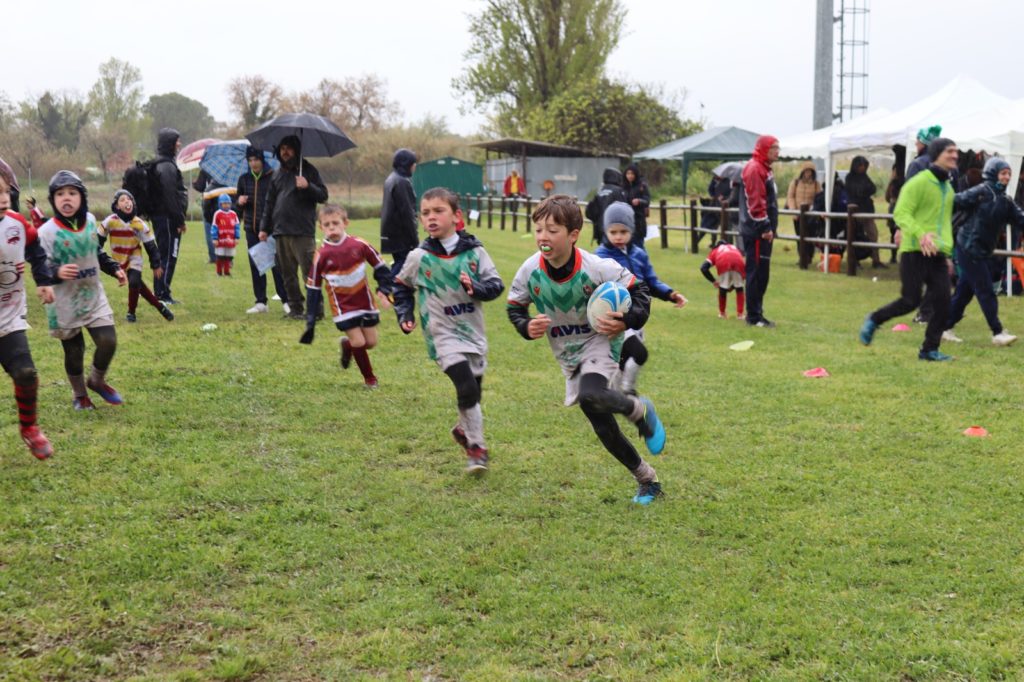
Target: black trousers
x=167 y=242
x=758 y=252
x=931 y=272
x=601 y=404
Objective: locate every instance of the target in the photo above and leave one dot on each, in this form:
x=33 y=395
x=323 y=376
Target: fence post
x=663 y=214
x=802 y=244
x=851 y=257
x=529 y=212
x=515 y=213
x=694 y=221
x=503 y=214
x=479 y=210
x=490 y=211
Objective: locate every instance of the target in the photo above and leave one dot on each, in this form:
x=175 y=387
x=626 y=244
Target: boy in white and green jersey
x=559 y=281
x=451 y=275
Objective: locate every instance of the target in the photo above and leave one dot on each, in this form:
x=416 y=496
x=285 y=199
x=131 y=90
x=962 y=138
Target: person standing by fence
x=639 y=198
x=801 y=192
x=759 y=220
x=924 y=215
x=860 y=191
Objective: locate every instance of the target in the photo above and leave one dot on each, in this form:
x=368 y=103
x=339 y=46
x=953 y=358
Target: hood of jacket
x=402 y=162
x=859 y=165
x=993 y=167
x=636 y=174
x=808 y=166
x=612 y=176
x=166 y=140
x=761 y=147
x=295 y=143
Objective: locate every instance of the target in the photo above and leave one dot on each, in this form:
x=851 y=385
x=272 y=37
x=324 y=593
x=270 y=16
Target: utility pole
x=823 y=39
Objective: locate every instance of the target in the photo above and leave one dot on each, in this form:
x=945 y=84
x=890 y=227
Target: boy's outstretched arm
x=640 y=309
x=519 y=316
x=705 y=269
x=153 y=253
x=404 y=306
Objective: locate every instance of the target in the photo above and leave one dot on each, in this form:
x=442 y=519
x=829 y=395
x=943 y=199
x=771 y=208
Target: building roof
x=724 y=142
x=517 y=147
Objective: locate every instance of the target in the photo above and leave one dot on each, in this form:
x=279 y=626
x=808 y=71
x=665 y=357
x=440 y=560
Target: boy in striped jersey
x=128 y=235
x=559 y=281
x=451 y=275
x=341 y=262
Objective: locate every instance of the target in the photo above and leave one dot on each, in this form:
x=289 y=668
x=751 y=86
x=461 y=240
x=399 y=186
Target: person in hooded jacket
x=251 y=194
x=398 y=214
x=168 y=212
x=987 y=208
x=759 y=221
x=802 y=191
x=610 y=192
x=860 y=191
x=638 y=196
x=922 y=160
x=290 y=215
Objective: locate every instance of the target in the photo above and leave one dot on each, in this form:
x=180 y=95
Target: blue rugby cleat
x=106 y=392
x=647 y=493
x=867 y=331
x=651 y=428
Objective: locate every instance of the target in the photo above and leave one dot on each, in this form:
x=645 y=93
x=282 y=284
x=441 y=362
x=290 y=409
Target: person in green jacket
x=924 y=217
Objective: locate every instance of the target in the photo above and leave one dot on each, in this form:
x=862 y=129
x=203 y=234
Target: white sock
x=629 y=373
x=472 y=421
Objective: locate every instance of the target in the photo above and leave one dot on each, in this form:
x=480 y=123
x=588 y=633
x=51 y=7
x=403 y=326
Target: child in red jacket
x=731 y=267
x=225 y=233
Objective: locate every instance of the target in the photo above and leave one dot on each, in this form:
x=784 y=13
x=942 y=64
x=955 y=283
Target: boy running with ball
x=559 y=281
x=451 y=275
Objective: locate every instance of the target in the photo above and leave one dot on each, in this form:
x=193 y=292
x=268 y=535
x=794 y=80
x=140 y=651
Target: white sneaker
x=287 y=308
x=258 y=308
x=275 y=297
x=1003 y=338
x=948 y=335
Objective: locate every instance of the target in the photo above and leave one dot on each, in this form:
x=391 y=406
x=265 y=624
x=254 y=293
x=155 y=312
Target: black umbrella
x=318 y=135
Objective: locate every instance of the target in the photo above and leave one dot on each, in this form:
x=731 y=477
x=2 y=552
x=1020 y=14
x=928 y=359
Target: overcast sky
x=746 y=62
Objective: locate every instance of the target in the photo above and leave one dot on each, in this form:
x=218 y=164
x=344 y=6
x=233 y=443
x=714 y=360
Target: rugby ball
x=607 y=297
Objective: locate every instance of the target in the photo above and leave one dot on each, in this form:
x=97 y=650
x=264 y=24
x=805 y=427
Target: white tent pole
x=829 y=193
x=1009 y=265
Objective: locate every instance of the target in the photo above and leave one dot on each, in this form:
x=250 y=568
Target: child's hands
x=610 y=324
x=69 y=271
x=538 y=326
x=122 y=278
x=385 y=302
x=45 y=294
x=679 y=299
x=407 y=326
x=467 y=283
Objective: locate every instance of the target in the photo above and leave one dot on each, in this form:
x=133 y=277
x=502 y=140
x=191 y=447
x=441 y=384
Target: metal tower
x=852 y=25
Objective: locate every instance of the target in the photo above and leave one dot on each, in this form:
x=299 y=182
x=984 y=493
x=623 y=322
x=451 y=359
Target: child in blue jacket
x=619 y=225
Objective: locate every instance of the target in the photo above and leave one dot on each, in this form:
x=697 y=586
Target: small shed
x=458 y=175
x=547 y=168
x=724 y=143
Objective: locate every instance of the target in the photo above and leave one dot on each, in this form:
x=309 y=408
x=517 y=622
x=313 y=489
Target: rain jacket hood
x=761 y=148
x=993 y=167
x=612 y=176
x=289 y=141
x=403 y=161
x=166 y=140
x=859 y=165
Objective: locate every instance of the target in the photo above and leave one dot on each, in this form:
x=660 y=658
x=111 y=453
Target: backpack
x=142 y=182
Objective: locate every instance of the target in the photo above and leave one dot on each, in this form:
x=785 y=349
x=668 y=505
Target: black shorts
x=364 y=320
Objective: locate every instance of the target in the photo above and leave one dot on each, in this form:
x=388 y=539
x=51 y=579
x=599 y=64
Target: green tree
x=115 y=99
x=607 y=115
x=525 y=52
x=59 y=117
x=189 y=117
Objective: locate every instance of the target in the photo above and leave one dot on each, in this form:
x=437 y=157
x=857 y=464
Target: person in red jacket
x=759 y=220
x=514 y=185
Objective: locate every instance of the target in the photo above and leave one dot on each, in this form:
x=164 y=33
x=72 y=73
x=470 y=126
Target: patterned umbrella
x=225 y=161
x=190 y=154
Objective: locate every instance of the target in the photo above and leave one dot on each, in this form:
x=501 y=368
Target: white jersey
x=565 y=303
x=80 y=302
x=13 y=306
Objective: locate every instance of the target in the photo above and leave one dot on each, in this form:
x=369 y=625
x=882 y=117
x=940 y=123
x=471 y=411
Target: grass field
x=252 y=513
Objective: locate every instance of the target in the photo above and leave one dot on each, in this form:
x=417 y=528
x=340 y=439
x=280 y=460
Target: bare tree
x=23 y=145
x=354 y=104
x=254 y=99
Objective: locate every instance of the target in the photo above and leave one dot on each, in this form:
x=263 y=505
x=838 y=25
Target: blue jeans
x=975 y=280
x=209 y=241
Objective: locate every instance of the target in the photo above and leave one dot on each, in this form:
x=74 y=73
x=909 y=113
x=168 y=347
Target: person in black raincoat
x=639 y=197
x=398 y=214
x=610 y=192
x=860 y=191
x=168 y=212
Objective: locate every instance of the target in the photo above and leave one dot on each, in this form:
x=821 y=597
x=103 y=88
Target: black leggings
x=468 y=388
x=134 y=279
x=16 y=358
x=601 y=405
x=105 y=339
x=634 y=348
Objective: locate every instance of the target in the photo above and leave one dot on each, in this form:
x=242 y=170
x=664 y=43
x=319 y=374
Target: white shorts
x=731 y=280
x=477 y=362
x=64 y=333
x=224 y=251
x=593 y=363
